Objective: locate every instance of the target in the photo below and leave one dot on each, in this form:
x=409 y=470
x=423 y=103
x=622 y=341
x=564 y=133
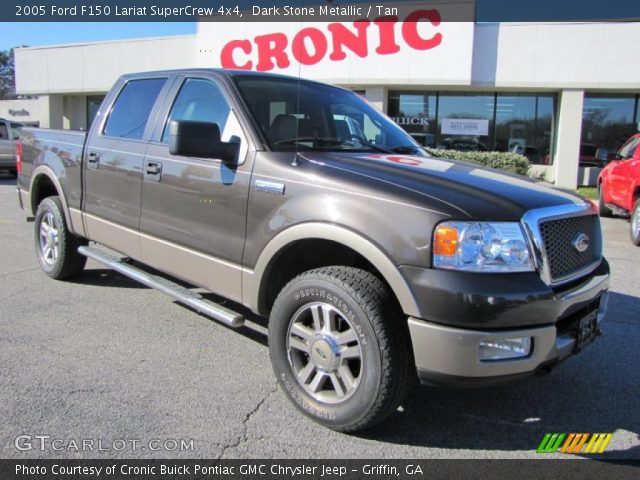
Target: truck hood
x=457 y=189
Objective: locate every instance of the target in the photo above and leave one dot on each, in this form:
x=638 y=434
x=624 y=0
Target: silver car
x=9 y=134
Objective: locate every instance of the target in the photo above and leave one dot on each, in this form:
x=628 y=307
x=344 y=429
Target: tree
x=7 y=75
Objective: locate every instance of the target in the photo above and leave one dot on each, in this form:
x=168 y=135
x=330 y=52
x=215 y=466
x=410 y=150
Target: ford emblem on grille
x=581 y=243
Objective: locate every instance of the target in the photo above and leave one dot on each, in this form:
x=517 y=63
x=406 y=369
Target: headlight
x=481 y=247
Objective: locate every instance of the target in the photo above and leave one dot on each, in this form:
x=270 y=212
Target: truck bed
x=60 y=152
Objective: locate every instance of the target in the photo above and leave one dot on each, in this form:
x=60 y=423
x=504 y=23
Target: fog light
x=505 y=349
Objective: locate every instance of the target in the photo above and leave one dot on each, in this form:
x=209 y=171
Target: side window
x=130 y=112
x=4 y=134
x=200 y=100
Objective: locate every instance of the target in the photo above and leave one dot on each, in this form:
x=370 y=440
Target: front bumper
x=447 y=355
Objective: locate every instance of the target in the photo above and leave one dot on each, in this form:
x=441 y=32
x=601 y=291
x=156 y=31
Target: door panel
x=617 y=180
x=193 y=214
x=113 y=167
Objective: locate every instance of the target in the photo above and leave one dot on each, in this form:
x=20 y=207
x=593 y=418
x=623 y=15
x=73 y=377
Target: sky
x=36 y=34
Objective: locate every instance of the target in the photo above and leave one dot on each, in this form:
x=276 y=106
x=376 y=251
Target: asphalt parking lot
x=103 y=357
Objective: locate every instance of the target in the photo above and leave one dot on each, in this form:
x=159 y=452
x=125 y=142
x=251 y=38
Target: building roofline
x=103 y=42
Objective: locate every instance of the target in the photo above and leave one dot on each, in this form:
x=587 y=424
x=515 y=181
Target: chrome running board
x=181 y=294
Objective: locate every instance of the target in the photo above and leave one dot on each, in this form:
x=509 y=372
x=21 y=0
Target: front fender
x=252 y=279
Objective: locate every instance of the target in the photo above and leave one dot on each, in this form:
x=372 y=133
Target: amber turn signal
x=445 y=241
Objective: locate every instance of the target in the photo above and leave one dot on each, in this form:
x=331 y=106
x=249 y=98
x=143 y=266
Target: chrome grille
x=553 y=232
x=558 y=237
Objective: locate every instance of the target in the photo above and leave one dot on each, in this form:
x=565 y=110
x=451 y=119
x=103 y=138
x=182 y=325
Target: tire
x=603 y=210
x=635 y=224
x=352 y=371
x=56 y=246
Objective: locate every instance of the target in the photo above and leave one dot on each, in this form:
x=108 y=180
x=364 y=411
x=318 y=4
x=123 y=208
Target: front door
x=619 y=181
x=193 y=214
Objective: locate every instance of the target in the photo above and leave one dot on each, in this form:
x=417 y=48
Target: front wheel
x=340 y=349
x=56 y=246
x=635 y=224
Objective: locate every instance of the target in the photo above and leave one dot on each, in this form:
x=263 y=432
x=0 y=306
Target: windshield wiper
x=406 y=149
x=321 y=140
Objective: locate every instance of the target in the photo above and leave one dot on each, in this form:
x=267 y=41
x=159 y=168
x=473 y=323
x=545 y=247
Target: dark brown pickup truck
x=376 y=263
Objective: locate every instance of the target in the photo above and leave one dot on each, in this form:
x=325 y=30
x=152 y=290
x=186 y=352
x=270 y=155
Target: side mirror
x=200 y=139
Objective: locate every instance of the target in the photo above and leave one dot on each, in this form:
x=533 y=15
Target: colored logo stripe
x=600 y=440
x=550 y=443
x=574 y=443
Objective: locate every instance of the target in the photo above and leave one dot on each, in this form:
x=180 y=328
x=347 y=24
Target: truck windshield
x=302 y=115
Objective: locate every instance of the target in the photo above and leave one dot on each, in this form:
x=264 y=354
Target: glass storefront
x=520 y=123
x=607 y=122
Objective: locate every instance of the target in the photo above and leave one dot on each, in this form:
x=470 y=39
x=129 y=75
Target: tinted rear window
x=131 y=109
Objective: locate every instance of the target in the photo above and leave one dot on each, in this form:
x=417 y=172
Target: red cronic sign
x=311 y=45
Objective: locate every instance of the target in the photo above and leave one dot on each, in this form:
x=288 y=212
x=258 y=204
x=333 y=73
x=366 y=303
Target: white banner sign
x=417 y=46
x=465 y=126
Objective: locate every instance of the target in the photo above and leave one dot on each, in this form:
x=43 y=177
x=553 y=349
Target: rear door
x=113 y=160
x=193 y=214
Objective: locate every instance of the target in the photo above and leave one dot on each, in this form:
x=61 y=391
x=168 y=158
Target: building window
x=522 y=123
x=93 y=105
x=607 y=122
x=416 y=112
x=465 y=121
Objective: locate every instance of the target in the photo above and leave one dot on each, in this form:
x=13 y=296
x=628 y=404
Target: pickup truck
x=619 y=186
x=9 y=134
x=375 y=263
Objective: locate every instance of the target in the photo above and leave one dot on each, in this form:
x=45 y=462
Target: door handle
x=93 y=157
x=153 y=168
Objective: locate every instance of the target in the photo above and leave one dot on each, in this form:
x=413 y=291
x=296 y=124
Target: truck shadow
x=106 y=277
x=6 y=179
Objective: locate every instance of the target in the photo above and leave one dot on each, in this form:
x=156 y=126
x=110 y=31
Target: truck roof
x=224 y=71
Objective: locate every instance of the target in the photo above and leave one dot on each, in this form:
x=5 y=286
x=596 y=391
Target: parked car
x=9 y=133
x=373 y=265
x=462 y=145
x=619 y=186
x=591 y=156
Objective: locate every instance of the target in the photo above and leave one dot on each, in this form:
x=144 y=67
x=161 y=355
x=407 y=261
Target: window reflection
x=607 y=122
x=522 y=123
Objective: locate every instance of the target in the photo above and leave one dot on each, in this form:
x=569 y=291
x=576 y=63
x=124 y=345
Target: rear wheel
x=635 y=224
x=340 y=349
x=603 y=210
x=56 y=246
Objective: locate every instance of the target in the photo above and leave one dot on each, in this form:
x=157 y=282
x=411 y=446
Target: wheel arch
x=44 y=183
x=256 y=283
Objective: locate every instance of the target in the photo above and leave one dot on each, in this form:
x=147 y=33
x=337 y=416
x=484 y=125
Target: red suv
x=619 y=186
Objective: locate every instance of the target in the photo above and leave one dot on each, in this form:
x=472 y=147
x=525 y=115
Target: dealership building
x=563 y=94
